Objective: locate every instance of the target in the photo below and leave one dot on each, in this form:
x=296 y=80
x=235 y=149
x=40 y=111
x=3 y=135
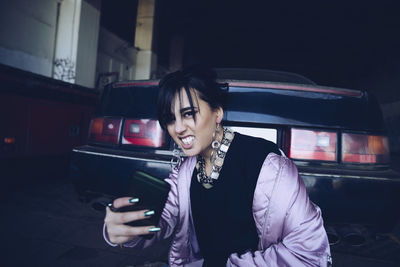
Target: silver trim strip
x=301 y=173
x=163 y=152
x=120 y=157
x=348 y=176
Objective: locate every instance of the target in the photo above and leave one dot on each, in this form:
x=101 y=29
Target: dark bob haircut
x=202 y=79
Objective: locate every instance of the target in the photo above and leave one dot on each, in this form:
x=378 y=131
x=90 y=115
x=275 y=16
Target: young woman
x=234 y=200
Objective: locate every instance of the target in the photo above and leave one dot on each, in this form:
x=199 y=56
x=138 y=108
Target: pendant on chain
x=220 y=149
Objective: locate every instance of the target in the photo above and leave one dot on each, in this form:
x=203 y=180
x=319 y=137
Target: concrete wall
x=31 y=41
x=27 y=34
x=116 y=58
x=87 y=45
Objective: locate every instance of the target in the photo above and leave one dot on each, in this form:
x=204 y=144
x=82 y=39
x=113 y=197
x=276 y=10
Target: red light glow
x=105 y=130
x=312 y=145
x=362 y=148
x=9 y=140
x=143 y=133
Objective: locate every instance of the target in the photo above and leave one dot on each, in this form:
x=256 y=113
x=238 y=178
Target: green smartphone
x=152 y=193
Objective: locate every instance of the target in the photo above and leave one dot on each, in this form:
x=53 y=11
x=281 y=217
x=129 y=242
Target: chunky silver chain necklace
x=221 y=150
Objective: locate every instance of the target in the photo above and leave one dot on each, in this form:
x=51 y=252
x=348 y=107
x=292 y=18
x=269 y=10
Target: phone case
x=152 y=193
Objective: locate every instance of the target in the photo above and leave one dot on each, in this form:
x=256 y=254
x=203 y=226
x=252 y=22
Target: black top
x=222 y=215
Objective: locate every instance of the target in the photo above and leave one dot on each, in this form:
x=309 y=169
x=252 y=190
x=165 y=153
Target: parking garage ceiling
x=340 y=43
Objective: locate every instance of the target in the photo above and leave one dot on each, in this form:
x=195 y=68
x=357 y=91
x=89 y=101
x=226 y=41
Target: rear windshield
x=302 y=108
x=134 y=102
x=260 y=105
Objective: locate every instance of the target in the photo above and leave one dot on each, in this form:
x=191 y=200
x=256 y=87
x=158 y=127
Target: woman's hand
x=117 y=230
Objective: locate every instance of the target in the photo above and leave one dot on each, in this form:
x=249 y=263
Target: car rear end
x=124 y=137
x=336 y=137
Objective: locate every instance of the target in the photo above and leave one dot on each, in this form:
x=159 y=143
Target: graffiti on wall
x=64 y=69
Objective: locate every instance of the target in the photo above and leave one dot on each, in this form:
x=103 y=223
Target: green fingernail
x=149 y=213
x=133 y=200
x=154 y=229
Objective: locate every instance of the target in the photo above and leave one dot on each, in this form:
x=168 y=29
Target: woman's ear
x=220 y=114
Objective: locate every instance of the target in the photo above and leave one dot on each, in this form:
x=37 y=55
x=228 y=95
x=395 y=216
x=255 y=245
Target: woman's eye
x=188 y=114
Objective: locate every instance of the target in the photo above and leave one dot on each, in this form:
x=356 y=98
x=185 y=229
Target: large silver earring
x=215 y=144
x=176 y=157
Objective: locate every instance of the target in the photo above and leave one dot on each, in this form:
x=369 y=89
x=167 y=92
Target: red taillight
x=9 y=140
x=105 y=130
x=143 y=133
x=361 y=148
x=312 y=145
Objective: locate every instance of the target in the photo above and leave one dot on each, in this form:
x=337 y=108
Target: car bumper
x=109 y=171
x=344 y=196
x=355 y=197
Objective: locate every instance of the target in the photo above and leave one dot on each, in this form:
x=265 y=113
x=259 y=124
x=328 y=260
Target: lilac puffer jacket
x=289 y=225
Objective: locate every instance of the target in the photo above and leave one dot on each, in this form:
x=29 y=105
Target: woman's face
x=194 y=137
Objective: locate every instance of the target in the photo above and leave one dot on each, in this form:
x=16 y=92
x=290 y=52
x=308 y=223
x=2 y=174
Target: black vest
x=222 y=215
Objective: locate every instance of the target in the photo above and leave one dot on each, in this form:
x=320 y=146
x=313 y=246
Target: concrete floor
x=44 y=224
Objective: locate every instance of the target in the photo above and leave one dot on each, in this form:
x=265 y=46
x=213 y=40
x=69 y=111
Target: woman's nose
x=179 y=126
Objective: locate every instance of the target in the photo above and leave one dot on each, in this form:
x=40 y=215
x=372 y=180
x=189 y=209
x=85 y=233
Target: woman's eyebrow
x=185 y=109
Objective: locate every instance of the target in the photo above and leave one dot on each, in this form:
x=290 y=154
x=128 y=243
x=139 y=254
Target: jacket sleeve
x=289 y=225
x=167 y=222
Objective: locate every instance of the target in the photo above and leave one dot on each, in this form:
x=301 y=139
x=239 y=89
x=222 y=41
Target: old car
x=336 y=137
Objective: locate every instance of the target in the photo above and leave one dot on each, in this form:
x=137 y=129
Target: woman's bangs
x=165 y=106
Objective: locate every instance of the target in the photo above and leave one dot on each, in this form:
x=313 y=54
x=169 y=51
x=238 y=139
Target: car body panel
x=345 y=196
x=364 y=194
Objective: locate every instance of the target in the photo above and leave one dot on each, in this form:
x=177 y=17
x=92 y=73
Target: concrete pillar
x=66 y=49
x=146 y=59
x=77 y=34
x=87 y=44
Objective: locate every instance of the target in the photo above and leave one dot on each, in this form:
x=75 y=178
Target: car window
x=134 y=102
x=300 y=108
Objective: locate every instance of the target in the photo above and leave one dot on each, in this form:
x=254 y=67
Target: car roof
x=251 y=74
x=260 y=84
x=273 y=102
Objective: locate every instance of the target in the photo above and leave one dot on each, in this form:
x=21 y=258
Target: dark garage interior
x=57 y=57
